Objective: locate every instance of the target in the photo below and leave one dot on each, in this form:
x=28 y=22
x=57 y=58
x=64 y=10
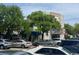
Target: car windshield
x=72 y=49
x=14 y=52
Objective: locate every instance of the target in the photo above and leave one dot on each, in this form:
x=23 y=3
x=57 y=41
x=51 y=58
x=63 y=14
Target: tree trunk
x=42 y=35
x=30 y=38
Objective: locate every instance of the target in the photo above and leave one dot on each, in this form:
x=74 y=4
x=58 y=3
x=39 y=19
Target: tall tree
x=14 y=18
x=26 y=29
x=43 y=21
x=11 y=19
x=3 y=14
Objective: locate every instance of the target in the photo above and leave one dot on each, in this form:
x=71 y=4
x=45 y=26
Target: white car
x=21 y=43
x=41 y=50
x=5 y=43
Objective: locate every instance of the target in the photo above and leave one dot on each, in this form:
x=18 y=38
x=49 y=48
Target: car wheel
x=23 y=46
x=1 y=47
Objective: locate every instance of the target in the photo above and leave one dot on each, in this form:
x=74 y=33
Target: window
x=50 y=51
x=7 y=40
x=57 y=52
x=43 y=51
x=55 y=36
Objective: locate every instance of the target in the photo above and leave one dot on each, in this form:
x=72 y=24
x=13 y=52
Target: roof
x=39 y=47
x=55 y=14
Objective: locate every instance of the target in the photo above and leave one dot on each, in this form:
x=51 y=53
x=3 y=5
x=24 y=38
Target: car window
x=57 y=52
x=7 y=40
x=1 y=41
x=49 y=51
x=43 y=51
x=16 y=41
x=56 y=39
x=19 y=41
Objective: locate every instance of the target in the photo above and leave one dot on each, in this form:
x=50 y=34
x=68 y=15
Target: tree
x=11 y=19
x=43 y=21
x=14 y=18
x=2 y=17
x=69 y=30
x=26 y=30
x=76 y=29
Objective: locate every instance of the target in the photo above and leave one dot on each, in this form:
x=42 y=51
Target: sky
x=70 y=11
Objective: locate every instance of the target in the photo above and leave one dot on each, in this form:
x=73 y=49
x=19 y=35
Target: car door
x=19 y=43
x=1 y=42
x=14 y=43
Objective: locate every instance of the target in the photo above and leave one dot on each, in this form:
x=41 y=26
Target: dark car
x=43 y=42
x=69 y=43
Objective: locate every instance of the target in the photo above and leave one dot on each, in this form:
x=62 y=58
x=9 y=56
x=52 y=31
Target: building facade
x=60 y=32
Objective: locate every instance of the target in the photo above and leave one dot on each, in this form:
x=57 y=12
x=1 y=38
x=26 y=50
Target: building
x=56 y=33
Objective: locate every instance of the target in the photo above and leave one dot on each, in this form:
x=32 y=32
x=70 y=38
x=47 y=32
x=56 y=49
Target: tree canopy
x=43 y=21
x=10 y=18
x=69 y=29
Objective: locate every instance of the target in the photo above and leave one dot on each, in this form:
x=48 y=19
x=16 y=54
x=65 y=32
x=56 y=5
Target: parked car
x=5 y=43
x=56 y=40
x=43 y=42
x=21 y=43
x=42 y=50
x=49 y=42
x=69 y=43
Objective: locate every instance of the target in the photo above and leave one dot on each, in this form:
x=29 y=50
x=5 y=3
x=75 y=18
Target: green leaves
x=69 y=29
x=76 y=28
x=44 y=22
x=10 y=18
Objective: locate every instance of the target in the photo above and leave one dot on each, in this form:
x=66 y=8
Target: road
x=25 y=49
x=14 y=51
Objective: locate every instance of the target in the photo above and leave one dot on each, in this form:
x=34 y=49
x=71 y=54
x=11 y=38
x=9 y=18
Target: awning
x=35 y=33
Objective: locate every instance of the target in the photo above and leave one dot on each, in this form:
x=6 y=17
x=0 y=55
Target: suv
x=4 y=43
x=21 y=43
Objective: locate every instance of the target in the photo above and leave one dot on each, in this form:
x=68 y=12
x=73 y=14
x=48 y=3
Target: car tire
x=22 y=46
x=2 y=47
